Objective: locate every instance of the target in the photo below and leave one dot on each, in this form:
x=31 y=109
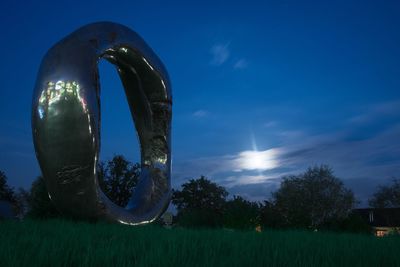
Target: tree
x=353 y=223
x=241 y=213
x=270 y=216
x=313 y=198
x=200 y=203
x=22 y=202
x=387 y=196
x=6 y=192
x=39 y=203
x=117 y=178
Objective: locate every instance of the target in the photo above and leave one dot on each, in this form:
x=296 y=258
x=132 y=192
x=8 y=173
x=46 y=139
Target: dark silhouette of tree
x=353 y=223
x=387 y=196
x=22 y=202
x=241 y=214
x=200 y=203
x=312 y=199
x=39 y=203
x=6 y=192
x=35 y=203
x=270 y=217
x=117 y=178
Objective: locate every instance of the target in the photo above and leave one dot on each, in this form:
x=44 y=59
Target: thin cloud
x=232 y=181
x=291 y=134
x=240 y=64
x=200 y=113
x=220 y=53
x=376 y=111
x=270 y=124
x=372 y=157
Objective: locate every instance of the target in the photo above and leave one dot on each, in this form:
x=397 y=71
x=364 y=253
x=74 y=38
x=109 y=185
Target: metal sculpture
x=66 y=122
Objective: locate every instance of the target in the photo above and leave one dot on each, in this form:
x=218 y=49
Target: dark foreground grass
x=63 y=243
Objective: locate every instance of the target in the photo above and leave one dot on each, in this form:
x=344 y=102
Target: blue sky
x=261 y=90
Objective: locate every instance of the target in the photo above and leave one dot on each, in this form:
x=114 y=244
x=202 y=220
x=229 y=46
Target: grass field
x=63 y=243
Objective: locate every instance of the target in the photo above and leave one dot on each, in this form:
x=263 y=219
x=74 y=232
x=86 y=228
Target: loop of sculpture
x=66 y=122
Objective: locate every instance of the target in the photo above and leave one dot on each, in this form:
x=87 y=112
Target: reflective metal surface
x=66 y=122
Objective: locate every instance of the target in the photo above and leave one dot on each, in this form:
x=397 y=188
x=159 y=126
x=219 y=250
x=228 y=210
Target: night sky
x=259 y=90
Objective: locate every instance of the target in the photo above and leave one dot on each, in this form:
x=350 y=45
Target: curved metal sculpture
x=66 y=122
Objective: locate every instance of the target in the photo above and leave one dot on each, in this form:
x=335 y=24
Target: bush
x=40 y=205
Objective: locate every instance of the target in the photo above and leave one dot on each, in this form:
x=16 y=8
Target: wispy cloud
x=292 y=134
x=200 y=113
x=240 y=64
x=232 y=181
x=375 y=156
x=376 y=111
x=270 y=124
x=220 y=53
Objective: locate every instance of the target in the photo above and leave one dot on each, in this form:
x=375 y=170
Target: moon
x=258 y=160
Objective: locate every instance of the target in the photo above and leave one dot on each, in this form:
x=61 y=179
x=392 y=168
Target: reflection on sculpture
x=66 y=122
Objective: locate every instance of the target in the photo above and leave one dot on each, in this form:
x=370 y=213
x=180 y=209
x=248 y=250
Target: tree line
x=315 y=199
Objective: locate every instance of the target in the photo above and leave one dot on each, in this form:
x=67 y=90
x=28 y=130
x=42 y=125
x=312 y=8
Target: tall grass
x=64 y=243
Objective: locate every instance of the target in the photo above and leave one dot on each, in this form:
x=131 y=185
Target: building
x=383 y=221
